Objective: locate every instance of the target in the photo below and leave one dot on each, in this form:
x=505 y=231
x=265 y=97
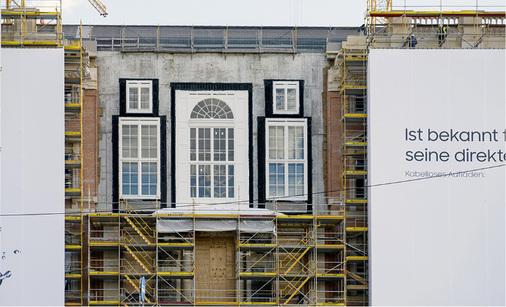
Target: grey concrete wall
x=207 y=67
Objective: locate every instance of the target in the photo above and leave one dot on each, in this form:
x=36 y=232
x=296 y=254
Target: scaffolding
x=32 y=23
x=75 y=252
x=352 y=63
x=407 y=27
x=260 y=258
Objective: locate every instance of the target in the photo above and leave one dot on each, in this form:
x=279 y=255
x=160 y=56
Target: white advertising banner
x=32 y=192
x=437 y=176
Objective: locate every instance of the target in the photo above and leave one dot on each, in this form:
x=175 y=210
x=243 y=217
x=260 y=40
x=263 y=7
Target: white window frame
x=139 y=84
x=139 y=122
x=285 y=85
x=286 y=160
x=212 y=124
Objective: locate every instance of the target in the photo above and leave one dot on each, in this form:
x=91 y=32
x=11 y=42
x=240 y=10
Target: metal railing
x=214 y=38
x=176 y=265
x=101 y=265
x=103 y=295
x=72 y=267
x=72 y=296
x=355 y=164
x=355 y=104
x=104 y=236
x=355 y=136
x=356 y=222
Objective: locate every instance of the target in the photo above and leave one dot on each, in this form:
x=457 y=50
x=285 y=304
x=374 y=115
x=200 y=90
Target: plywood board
x=215 y=269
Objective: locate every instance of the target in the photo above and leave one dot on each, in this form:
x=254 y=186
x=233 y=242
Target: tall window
x=286 y=97
x=139 y=162
x=139 y=96
x=286 y=157
x=212 y=150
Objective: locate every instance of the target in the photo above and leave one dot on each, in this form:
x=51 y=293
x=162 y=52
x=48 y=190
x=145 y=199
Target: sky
x=246 y=12
x=218 y=12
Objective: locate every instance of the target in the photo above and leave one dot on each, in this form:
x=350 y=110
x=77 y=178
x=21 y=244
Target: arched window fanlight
x=212 y=108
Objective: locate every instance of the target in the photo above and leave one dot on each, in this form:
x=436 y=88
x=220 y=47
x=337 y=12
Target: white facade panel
x=437 y=177
x=32 y=191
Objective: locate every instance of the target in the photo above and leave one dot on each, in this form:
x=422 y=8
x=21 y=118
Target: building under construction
x=223 y=165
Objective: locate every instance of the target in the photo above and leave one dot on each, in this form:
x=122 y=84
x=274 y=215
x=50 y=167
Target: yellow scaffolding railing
x=32 y=23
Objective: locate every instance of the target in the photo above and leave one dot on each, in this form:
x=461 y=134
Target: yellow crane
x=377 y=6
x=99 y=6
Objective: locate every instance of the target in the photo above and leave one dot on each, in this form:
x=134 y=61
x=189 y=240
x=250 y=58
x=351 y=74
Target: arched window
x=212 y=108
x=212 y=150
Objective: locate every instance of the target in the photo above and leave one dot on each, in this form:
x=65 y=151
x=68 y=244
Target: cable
x=183 y=205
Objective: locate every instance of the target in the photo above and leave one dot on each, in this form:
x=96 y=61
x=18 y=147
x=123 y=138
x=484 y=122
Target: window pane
x=193 y=144
x=153 y=141
x=149 y=178
x=276 y=142
x=129 y=141
x=230 y=181
x=281 y=173
x=144 y=141
x=149 y=138
x=296 y=179
x=280 y=99
x=125 y=141
x=280 y=191
x=220 y=181
x=230 y=144
x=129 y=175
x=291 y=143
x=291 y=99
x=145 y=98
x=299 y=142
x=204 y=181
x=272 y=142
x=204 y=144
x=276 y=179
x=296 y=142
x=133 y=98
x=193 y=181
x=219 y=144
x=134 y=141
x=280 y=143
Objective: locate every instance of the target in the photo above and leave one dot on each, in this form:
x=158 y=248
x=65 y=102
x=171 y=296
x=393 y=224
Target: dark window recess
x=360 y=188
x=360 y=164
x=360 y=104
x=123 y=98
x=269 y=99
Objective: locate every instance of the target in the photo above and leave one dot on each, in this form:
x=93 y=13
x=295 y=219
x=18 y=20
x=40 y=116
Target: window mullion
x=286 y=99
x=139 y=99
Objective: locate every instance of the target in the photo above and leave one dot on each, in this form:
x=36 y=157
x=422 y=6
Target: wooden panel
x=215 y=269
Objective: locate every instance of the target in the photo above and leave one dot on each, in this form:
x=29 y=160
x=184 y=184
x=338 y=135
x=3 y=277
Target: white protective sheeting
x=213 y=225
x=436 y=130
x=186 y=225
x=201 y=210
x=32 y=192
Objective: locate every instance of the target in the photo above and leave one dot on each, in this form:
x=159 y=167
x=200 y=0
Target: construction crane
x=99 y=7
x=375 y=6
